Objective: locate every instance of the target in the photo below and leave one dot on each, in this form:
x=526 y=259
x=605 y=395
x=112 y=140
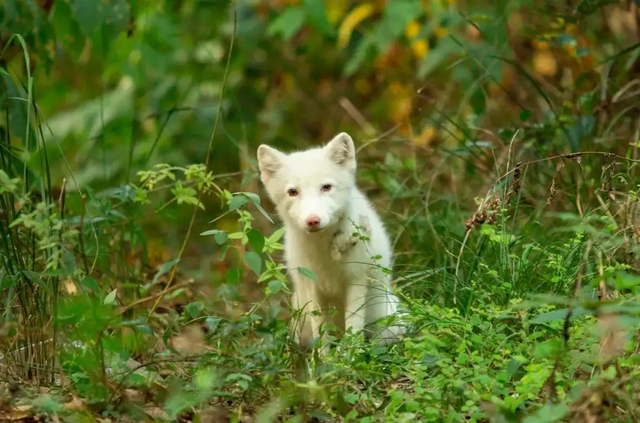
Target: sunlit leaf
x=111 y=297
x=357 y=15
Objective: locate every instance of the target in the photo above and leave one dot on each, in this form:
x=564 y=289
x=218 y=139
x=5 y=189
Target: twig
x=156 y=295
x=480 y=211
x=83 y=254
x=378 y=138
x=455 y=283
x=355 y=114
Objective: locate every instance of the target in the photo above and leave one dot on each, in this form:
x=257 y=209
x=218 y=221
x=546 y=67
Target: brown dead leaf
x=472 y=33
x=553 y=191
x=134 y=396
x=214 y=415
x=577 y=157
x=70 y=287
x=76 y=404
x=155 y=412
x=20 y=412
x=190 y=342
x=325 y=89
x=544 y=63
x=612 y=337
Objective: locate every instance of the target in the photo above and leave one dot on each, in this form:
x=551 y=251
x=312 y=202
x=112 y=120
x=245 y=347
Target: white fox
x=316 y=196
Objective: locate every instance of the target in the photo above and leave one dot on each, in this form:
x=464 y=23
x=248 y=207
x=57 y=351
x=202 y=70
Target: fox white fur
x=349 y=272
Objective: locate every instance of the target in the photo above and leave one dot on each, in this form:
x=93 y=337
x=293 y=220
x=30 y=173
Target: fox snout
x=313 y=223
x=314 y=213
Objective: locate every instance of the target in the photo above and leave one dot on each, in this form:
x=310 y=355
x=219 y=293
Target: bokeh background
x=432 y=91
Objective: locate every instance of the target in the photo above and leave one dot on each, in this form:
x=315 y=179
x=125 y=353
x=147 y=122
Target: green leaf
x=524 y=115
x=111 y=297
x=213 y=323
x=626 y=280
x=88 y=14
x=255 y=199
x=263 y=212
x=116 y=15
x=276 y=235
x=549 y=413
x=445 y=48
x=163 y=270
x=275 y=286
x=90 y=283
x=360 y=54
x=513 y=366
x=145 y=329
x=256 y=239
x=194 y=309
x=308 y=273
x=559 y=315
x=317 y=16
x=218 y=235
x=232 y=276
x=547 y=349
x=397 y=15
x=237 y=202
x=288 y=23
x=254 y=262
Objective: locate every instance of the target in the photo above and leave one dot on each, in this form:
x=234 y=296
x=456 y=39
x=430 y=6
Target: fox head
x=310 y=188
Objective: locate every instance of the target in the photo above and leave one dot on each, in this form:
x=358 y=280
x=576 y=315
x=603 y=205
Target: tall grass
x=32 y=227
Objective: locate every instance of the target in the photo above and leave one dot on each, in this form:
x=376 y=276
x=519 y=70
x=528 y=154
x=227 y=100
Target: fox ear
x=269 y=160
x=342 y=151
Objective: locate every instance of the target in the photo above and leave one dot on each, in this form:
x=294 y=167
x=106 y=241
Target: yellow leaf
x=352 y=20
x=400 y=102
x=420 y=48
x=335 y=10
x=425 y=137
x=440 y=32
x=412 y=29
x=540 y=45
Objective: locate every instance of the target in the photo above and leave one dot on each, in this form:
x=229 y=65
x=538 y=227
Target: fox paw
x=343 y=242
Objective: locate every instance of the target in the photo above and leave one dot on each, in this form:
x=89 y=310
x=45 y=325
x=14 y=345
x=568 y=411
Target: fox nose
x=313 y=221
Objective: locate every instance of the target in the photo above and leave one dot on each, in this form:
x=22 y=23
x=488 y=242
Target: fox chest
x=329 y=276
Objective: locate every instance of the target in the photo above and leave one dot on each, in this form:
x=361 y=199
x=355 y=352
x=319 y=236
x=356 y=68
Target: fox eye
x=326 y=188
x=292 y=192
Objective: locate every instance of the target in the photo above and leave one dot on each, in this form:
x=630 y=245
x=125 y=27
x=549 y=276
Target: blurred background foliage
x=121 y=86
